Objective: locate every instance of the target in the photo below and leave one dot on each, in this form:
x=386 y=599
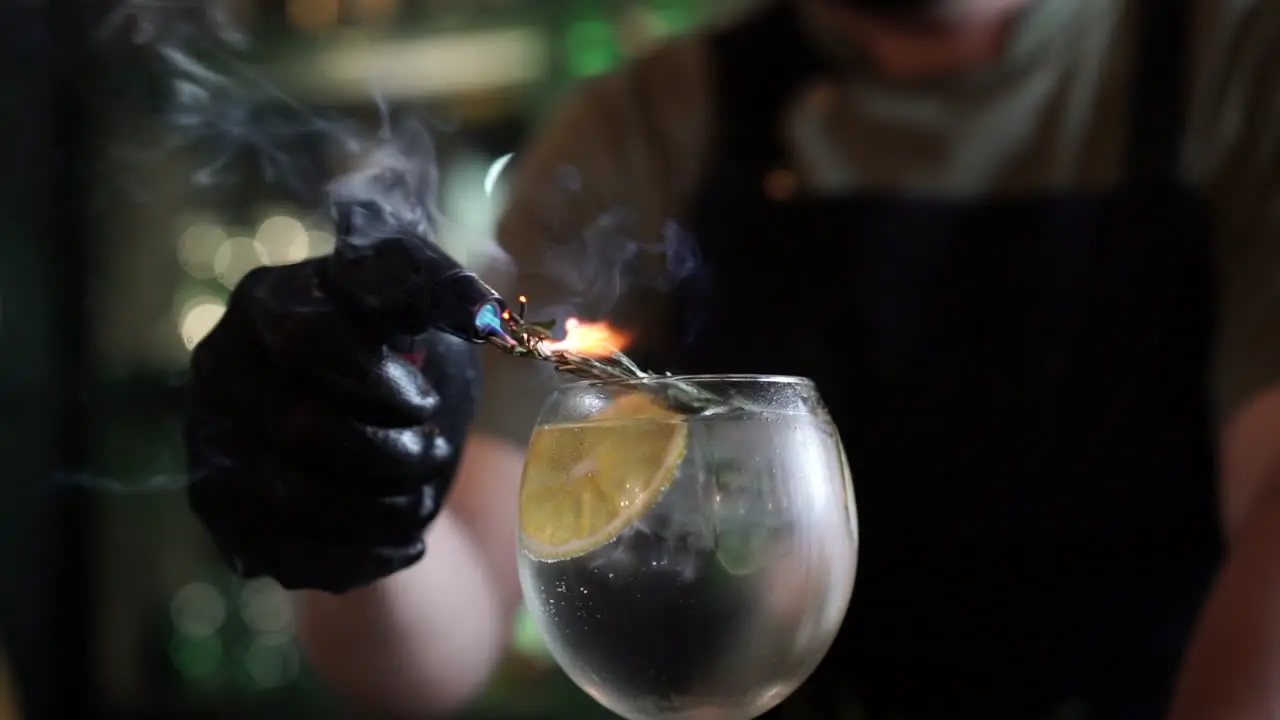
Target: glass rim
x=691 y=378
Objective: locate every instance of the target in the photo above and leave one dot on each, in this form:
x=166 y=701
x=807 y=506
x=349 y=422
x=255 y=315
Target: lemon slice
x=584 y=483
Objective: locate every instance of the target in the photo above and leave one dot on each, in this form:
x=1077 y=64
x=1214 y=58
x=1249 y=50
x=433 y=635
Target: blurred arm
x=426 y=640
x=1232 y=669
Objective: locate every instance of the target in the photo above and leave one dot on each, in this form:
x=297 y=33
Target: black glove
x=318 y=457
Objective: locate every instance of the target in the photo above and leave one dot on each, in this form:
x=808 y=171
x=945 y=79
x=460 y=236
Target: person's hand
x=317 y=457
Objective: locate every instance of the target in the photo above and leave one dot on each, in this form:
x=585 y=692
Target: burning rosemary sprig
x=534 y=340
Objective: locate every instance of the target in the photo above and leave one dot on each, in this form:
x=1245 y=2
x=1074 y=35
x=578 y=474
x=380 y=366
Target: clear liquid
x=726 y=594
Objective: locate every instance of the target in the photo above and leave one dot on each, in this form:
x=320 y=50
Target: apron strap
x=1159 y=85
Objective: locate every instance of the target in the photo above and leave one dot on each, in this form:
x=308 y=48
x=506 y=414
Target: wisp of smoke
x=114 y=486
x=611 y=260
x=220 y=113
x=223 y=114
x=616 y=257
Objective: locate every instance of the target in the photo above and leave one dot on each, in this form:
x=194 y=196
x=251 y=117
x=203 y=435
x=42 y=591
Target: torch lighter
x=402 y=285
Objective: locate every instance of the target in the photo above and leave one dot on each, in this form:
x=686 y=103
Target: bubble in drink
x=727 y=577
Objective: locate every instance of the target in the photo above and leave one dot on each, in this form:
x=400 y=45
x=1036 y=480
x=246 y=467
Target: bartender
x=1049 y=229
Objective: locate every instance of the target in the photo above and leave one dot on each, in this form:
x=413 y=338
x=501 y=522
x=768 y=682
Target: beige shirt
x=1051 y=114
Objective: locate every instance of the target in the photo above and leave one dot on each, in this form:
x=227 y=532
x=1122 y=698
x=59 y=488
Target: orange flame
x=593 y=339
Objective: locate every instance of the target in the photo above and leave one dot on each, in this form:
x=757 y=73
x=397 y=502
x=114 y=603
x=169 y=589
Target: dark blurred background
x=113 y=602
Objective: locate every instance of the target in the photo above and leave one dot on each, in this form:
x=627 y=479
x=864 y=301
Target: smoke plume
x=220 y=111
x=609 y=266
x=189 y=70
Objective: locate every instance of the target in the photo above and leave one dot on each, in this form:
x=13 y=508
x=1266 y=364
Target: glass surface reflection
x=686 y=565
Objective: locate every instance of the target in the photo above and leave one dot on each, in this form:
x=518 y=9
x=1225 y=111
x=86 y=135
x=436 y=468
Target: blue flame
x=489 y=320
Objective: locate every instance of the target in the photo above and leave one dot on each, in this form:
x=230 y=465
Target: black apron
x=1021 y=386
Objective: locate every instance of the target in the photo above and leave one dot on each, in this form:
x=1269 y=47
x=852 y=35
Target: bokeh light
x=527 y=639
x=283 y=240
x=494 y=173
x=272 y=660
x=199 y=319
x=235 y=258
x=197 y=248
x=266 y=607
x=198 y=610
x=196 y=657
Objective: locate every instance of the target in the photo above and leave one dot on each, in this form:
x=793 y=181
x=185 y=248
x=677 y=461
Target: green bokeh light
x=528 y=639
x=271 y=660
x=592 y=48
x=196 y=656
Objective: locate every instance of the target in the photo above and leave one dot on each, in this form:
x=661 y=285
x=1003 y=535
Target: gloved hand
x=318 y=457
